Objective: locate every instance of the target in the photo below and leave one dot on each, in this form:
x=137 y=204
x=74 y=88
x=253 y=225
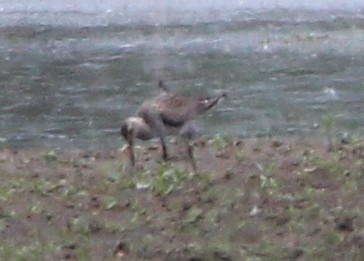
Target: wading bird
x=167 y=114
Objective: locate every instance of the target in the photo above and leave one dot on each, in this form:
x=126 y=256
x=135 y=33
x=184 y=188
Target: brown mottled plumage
x=167 y=114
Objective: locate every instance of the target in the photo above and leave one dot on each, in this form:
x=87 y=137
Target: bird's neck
x=140 y=129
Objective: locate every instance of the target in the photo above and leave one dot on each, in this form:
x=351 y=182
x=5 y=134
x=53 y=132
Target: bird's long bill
x=131 y=149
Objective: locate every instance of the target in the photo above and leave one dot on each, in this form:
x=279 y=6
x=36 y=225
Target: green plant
x=164 y=180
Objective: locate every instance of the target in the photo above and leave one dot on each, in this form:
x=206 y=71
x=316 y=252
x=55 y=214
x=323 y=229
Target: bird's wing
x=176 y=110
x=172 y=120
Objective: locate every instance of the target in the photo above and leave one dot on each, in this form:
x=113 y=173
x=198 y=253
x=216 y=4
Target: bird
x=167 y=114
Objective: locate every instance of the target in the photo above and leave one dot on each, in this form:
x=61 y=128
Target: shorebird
x=164 y=115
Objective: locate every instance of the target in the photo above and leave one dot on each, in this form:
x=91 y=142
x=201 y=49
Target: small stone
x=153 y=147
x=120 y=250
x=220 y=255
x=238 y=143
x=276 y=143
x=344 y=224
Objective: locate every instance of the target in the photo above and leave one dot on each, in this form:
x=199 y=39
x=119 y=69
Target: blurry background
x=72 y=70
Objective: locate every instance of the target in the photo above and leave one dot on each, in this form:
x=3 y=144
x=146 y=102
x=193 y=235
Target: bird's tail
x=208 y=103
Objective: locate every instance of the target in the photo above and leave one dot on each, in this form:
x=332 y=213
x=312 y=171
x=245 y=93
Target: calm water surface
x=68 y=79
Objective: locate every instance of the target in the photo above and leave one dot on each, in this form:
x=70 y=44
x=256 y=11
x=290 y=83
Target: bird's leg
x=161 y=132
x=191 y=155
x=131 y=155
x=131 y=147
x=188 y=132
x=153 y=119
x=164 y=149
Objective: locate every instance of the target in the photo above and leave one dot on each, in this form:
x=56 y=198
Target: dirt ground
x=254 y=199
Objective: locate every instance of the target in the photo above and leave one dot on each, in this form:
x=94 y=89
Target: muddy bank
x=264 y=199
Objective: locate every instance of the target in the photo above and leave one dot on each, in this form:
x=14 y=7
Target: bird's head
x=125 y=130
x=134 y=127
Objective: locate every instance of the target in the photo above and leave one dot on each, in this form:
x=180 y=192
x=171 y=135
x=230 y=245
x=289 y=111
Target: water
x=69 y=75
